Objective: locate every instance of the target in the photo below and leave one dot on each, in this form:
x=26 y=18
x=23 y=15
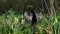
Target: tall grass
x=11 y=23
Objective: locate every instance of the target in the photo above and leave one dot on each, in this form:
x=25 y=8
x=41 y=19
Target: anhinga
x=32 y=18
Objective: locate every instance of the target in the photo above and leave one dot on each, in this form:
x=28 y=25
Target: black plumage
x=32 y=18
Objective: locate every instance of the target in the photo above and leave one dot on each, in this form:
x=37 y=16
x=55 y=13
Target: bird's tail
x=35 y=29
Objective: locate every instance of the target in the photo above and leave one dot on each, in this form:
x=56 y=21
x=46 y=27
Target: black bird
x=32 y=18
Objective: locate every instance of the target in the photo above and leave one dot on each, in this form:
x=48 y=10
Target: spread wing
x=28 y=16
x=39 y=16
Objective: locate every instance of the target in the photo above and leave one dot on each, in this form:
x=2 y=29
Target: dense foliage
x=11 y=23
x=12 y=20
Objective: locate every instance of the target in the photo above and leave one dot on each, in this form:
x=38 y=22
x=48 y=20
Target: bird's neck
x=32 y=11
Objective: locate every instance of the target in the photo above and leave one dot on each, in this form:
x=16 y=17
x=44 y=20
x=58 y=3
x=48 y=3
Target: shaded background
x=12 y=20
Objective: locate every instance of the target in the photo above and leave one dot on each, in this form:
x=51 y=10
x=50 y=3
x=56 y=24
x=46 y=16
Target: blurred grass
x=11 y=23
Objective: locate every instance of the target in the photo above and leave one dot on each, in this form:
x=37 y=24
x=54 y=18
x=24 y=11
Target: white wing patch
x=28 y=16
x=39 y=16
